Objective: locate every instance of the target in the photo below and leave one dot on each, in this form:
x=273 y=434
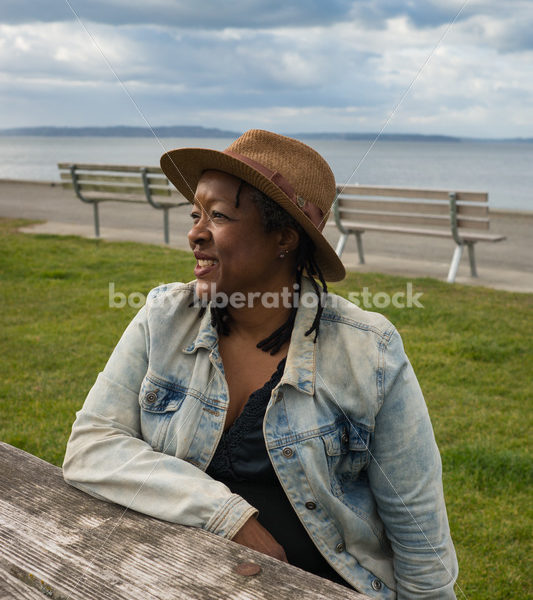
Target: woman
x=331 y=464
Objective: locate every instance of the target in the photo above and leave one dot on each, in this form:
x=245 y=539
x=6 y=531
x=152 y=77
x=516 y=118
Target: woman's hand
x=253 y=535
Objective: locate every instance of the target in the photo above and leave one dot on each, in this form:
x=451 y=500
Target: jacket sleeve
x=107 y=457
x=406 y=478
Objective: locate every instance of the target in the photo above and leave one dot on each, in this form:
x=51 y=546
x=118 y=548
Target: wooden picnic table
x=60 y=543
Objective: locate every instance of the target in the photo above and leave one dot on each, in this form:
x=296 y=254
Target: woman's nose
x=199 y=232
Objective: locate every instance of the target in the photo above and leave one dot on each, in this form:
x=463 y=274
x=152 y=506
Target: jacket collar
x=207 y=336
x=301 y=358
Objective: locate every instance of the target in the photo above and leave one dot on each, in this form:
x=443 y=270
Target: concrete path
x=506 y=265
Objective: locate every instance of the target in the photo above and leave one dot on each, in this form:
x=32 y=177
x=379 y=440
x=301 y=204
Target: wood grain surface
x=57 y=542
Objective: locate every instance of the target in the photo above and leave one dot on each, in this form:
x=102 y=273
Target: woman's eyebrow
x=238 y=194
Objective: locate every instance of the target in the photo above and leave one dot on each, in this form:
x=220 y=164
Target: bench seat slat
x=117 y=189
x=481 y=237
x=466 y=235
x=96 y=197
x=362 y=226
x=395 y=218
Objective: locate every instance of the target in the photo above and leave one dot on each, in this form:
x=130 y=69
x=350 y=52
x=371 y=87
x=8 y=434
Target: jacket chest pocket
x=158 y=403
x=347 y=455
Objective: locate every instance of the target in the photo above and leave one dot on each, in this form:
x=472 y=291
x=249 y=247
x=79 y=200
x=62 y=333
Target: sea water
x=503 y=169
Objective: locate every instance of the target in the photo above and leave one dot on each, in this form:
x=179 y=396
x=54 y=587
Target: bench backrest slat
x=118 y=168
x=83 y=177
x=118 y=189
x=103 y=197
x=386 y=192
x=354 y=204
x=435 y=221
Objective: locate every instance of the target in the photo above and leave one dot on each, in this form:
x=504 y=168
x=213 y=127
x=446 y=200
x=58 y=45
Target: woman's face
x=233 y=252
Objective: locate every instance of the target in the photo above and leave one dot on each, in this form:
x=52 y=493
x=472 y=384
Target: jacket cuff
x=234 y=513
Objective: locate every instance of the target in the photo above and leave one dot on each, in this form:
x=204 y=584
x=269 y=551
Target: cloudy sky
x=290 y=66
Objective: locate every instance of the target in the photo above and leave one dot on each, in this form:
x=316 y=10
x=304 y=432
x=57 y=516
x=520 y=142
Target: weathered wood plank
x=59 y=542
x=124 y=194
x=411 y=219
x=118 y=168
x=390 y=192
x=136 y=179
x=11 y=588
x=116 y=188
x=377 y=204
x=348 y=203
x=465 y=235
x=396 y=218
x=481 y=237
x=364 y=226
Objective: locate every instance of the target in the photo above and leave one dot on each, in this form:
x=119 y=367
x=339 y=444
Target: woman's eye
x=215 y=214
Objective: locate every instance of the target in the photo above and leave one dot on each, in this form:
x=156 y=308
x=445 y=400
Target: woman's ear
x=289 y=239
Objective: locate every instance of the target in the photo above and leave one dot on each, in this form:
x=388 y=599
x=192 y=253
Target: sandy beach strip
x=506 y=265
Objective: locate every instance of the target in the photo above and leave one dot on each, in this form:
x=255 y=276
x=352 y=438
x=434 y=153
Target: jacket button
x=310 y=505
x=287 y=452
x=339 y=547
x=151 y=397
x=345 y=439
x=376 y=584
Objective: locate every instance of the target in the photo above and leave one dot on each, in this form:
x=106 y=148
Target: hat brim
x=184 y=167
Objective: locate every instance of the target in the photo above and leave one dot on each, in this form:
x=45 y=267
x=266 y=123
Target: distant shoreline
x=124 y=131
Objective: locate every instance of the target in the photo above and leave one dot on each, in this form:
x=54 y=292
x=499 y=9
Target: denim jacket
x=347 y=431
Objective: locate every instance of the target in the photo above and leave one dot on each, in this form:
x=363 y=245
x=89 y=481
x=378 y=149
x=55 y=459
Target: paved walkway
x=506 y=265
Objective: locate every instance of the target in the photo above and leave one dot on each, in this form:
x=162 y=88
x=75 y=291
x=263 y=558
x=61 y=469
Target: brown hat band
x=315 y=214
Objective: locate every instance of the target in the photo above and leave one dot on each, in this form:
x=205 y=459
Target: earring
x=283 y=253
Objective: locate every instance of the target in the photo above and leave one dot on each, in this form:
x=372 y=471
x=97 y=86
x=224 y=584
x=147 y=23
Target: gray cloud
x=346 y=73
x=420 y=13
x=213 y=15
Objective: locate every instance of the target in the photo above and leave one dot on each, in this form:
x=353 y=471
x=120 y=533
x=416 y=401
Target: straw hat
x=286 y=170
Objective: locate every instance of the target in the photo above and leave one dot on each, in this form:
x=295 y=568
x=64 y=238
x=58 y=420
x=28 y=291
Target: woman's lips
x=204 y=266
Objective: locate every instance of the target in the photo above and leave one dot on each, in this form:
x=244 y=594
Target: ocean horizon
x=501 y=168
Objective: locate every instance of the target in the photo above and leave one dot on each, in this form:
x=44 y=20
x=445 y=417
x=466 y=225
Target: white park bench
x=461 y=216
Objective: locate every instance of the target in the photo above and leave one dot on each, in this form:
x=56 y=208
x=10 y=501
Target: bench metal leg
x=472 y=258
x=454 y=265
x=165 y=224
x=341 y=243
x=359 y=237
x=96 y=220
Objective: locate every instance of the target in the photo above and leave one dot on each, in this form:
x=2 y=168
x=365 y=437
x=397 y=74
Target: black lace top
x=241 y=462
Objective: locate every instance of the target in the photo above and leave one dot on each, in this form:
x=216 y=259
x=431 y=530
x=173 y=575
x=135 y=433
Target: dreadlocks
x=275 y=218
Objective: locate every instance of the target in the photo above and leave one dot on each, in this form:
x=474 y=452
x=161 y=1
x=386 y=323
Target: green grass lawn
x=470 y=347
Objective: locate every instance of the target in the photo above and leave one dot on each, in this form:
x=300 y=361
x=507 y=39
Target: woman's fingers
x=253 y=535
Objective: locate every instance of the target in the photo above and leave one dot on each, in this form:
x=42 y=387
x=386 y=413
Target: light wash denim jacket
x=347 y=431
